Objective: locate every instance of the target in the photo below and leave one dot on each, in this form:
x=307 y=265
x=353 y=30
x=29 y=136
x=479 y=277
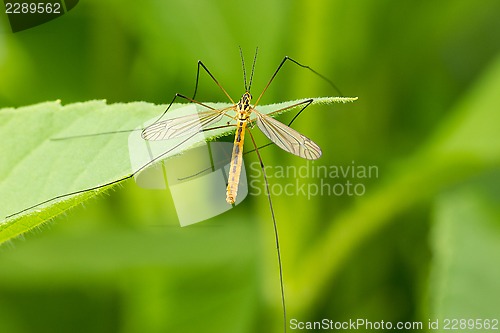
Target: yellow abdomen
x=236 y=162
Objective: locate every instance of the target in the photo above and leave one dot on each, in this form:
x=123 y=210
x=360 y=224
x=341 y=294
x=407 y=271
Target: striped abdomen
x=236 y=162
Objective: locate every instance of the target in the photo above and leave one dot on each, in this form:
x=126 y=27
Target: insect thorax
x=244 y=102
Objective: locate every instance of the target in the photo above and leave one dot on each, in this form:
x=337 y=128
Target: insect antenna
x=244 y=69
x=253 y=67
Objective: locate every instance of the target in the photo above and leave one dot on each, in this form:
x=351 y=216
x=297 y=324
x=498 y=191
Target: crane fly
x=283 y=136
x=245 y=117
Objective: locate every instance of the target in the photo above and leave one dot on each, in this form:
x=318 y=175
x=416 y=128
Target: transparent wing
x=181 y=126
x=287 y=138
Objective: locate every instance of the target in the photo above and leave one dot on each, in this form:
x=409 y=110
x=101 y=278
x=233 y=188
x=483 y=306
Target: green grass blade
x=466 y=145
x=465 y=233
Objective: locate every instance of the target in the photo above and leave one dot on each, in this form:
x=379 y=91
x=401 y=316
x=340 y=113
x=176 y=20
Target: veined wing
x=287 y=138
x=181 y=126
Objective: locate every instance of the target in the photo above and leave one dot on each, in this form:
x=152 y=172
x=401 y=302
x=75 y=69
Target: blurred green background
x=422 y=242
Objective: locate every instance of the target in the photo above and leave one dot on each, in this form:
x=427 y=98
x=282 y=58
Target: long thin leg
x=299 y=64
x=95 y=134
x=193 y=100
x=133 y=130
x=200 y=63
x=307 y=102
x=114 y=181
x=298 y=113
x=186 y=98
x=283 y=303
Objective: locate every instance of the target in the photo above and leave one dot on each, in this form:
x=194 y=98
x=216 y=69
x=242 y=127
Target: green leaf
x=36 y=168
